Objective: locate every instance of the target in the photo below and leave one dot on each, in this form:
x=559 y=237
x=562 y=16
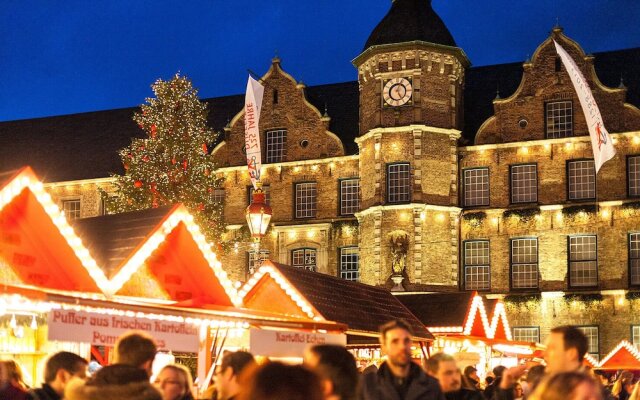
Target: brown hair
x=65 y=360
x=394 y=324
x=135 y=349
x=561 y=386
x=573 y=339
x=276 y=381
x=432 y=364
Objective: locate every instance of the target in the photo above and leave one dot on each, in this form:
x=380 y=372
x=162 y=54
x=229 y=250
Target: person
x=337 y=370
x=534 y=375
x=136 y=349
x=470 y=378
x=491 y=388
x=518 y=392
x=9 y=389
x=623 y=386
x=635 y=394
x=572 y=385
x=174 y=382
x=398 y=377
x=230 y=374
x=59 y=369
x=443 y=367
x=277 y=381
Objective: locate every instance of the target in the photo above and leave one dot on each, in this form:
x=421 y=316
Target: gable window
x=593 y=340
x=477 y=271
x=349 y=196
x=633 y=175
x=251 y=260
x=398 y=183
x=350 y=263
x=634 y=259
x=583 y=261
x=304 y=258
x=526 y=334
x=524 y=183
x=71 y=208
x=306 y=194
x=276 y=146
x=524 y=263
x=476 y=187
x=267 y=194
x=581 y=180
x=559 y=119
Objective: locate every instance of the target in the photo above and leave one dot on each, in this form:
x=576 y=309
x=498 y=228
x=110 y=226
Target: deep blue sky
x=71 y=56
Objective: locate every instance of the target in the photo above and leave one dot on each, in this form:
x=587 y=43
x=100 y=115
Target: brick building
x=446 y=176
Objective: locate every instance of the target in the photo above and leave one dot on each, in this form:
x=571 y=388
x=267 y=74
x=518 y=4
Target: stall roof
x=624 y=356
x=363 y=308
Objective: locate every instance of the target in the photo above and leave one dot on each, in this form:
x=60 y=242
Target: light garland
x=623 y=344
x=477 y=305
x=499 y=314
x=445 y=329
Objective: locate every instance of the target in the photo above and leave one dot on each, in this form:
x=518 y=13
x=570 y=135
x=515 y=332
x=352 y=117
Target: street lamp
x=258 y=216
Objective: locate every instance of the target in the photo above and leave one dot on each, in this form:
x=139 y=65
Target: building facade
x=442 y=186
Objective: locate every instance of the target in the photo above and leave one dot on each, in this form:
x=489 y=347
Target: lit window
x=524 y=183
x=267 y=194
x=71 y=208
x=251 y=259
x=526 y=333
x=477 y=274
x=583 y=264
x=306 y=194
x=398 y=183
x=593 y=348
x=476 y=187
x=633 y=175
x=634 y=259
x=635 y=336
x=304 y=258
x=218 y=195
x=349 y=196
x=559 y=119
x=524 y=263
x=276 y=146
x=581 y=176
x=350 y=263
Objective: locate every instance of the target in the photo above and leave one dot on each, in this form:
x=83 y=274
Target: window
x=276 y=146
x=477 y=274
x=581 y=179
x=304 y=258
x=635 y=336
x=350 y=263
x=251 y=259
x=591 y=332
x=349 y=196
x=306 y=199
x=71 y=208
x=476 y=187
x=559 y=119
x=218 y=195
x=524 y=263
x=267 y=194
x=583 y=261
x=526 y=333
x=633 y=175
x=634 y=259
x=398 y=183
x=524 y=183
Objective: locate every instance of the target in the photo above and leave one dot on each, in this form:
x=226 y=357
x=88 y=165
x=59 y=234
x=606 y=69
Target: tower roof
x=410 y=20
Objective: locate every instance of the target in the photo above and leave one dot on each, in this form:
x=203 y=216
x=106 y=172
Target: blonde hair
x=561 y=386
x=184 y=372
x=625 y=378
x=635 y=394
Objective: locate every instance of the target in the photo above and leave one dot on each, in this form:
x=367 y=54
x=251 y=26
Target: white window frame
x=581 y=180
x=526 y=333
x=306 y=205
x=559 y=119
x=350 y=269
x=399 y=182
x=524 y=263
x=309 y=260
x=592 y=332
x=634 y=258
x=476 y=187
x=477 y=265
x=524 y=183
x=74 y=212
x=276 y=146
x=349 y=196
x=583 y=260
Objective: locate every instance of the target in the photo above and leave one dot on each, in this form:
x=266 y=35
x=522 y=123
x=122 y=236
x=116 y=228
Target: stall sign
x=103 y=330
x=288 y=343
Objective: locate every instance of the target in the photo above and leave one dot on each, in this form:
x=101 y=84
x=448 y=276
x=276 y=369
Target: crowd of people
x=328 y=372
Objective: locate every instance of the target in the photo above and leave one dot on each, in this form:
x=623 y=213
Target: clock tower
x=411 y=82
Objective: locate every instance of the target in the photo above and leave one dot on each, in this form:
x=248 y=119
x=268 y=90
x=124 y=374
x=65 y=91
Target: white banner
x=252 y=107
x=103 y=330
x=270 y=343
x=601 y=144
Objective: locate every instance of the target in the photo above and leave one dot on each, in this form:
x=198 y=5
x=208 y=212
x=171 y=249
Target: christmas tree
x=172 y=165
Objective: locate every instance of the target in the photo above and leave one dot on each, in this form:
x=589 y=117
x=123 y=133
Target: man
x=230 y=372
x=136 y=349
x=566 y=348
x=497 y=378
x=443 y=367
x=398 y=378
x=58 y=371
x=337 y=369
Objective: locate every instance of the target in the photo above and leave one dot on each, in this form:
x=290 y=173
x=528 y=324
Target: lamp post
x=258 y=216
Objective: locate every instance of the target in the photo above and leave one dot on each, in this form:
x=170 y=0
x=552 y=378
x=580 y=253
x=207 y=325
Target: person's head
x=174 y=382
x=61 y=368
x=568 y=386
x=14 y=372
x=534 y=376
x=231 y=371
x=337 y=369
x=566 y=347
x=137 y=349
x=498 y=371
x=116 y=381
x=471 y=372
x=443 y=367
x=276 y=381
x=517 y=391
x=395 y=342
x=489 y=379
x=624 y=382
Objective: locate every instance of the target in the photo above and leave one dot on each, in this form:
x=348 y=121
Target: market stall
x=625 y=356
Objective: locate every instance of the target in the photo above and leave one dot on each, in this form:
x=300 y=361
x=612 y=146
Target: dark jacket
x=46 y=392
x=115 y=381
x=418 y=386
x=464 y=394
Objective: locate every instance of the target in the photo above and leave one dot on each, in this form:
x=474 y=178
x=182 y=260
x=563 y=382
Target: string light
x=499 y=314
x=622 y=345
x=13 y=323
x=34 y=323
x=477 y=306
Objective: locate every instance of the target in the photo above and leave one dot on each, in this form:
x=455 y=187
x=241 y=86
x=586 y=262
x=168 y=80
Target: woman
x=277 y=381
x=470 y=378
x=568 y=386
x=518 y=393
x=174 y=382
x=624 y=385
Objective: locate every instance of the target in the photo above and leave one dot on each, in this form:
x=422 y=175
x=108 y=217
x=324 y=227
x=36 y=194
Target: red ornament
x=137 y=184
x=206 y=172
x=184 y=165
x=154 y=130
x=201 y=207
x=204 y=148
x=145 y=158
x=126 y=166
x=173 y=161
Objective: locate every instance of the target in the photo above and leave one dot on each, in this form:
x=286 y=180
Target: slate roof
x=361 y=307
x=410 y=20
x=438 y=309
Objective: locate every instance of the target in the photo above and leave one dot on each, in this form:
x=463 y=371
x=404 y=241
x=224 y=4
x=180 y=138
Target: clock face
x=397 y=92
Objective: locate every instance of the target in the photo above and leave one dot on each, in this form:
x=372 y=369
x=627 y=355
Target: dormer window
x=276 y=146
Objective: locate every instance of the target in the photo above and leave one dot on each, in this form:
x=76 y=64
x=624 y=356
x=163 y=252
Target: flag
x=601 y=144
x=252 y=106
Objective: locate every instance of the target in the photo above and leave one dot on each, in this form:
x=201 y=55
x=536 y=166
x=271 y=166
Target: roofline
x=404 y=45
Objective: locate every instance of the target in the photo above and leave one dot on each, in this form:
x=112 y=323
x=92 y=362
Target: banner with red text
x=104 y=329
x=252 y=107
x=601 y=143
x=270 y=343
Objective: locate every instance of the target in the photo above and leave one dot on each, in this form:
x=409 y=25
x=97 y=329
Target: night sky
x=71 y=56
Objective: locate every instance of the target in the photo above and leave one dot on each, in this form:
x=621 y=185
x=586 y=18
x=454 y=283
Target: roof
x=438 y=309
x=410 y=20
x=624 y=356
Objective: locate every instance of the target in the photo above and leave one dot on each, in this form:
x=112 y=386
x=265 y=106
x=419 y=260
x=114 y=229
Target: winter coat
x=379 y=385
x=78 y=389
x=46 y=392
